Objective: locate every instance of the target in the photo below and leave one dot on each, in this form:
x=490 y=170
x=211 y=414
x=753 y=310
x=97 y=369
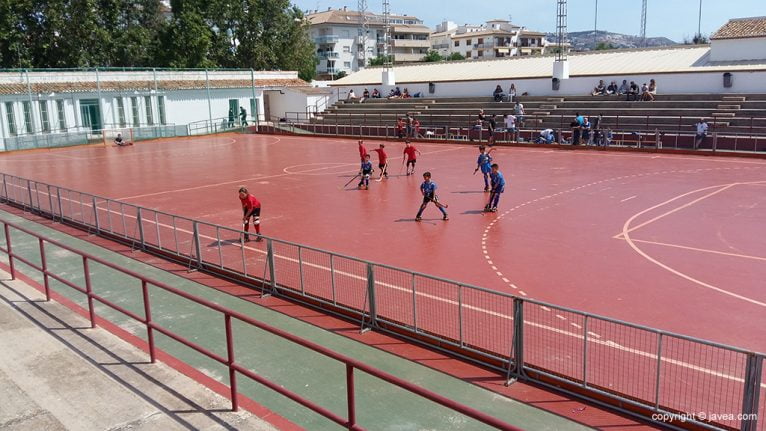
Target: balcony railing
x=331 y=38
x=328 y=54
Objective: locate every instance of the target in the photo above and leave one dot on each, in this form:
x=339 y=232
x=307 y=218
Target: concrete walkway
x=58 y=374
x=380 y=406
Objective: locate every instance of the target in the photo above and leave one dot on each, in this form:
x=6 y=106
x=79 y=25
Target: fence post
x=715 y=141
x=657 y=378
x=230 y=364
x=89 y=292
x=371 y=295
x=50 y=203
x=148 y=318
x=5 y=190
x=95 y=214
x=10 y=251
x=518 y=339
x=140 y=222
x=197 y=248
x=350 y=396
x=751 y=395
x=300 y=269
x=61 y=209
x=29 y=189
x=270 y=262
x=44 y=265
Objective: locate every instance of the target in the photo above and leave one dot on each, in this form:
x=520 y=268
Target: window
x=44 y=120
x=347 y=64
x=161 y=109
x=468 y=42
x=457 y=43
x=11 y=117
x=346 y=49
x=149 y=113
x=121 y=112
x=61 y=115
x=136 y=111
x=28 y=121
x=480 y=54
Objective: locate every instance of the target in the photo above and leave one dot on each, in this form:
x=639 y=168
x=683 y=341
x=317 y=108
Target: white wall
x=90 y=75
x=738 y=49
x=289 y=102
x=744 y=82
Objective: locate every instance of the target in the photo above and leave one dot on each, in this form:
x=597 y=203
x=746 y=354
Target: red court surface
x=670 y=241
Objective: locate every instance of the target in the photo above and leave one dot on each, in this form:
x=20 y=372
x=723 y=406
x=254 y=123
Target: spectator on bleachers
x=651 y=91
x=351 y=95
x=392 y=94
x=375 y=93
x=612 y=88
x=645 y=96
x=699 y=137
x=632 y=91
x=624 y=88
x=482 y=117
x=546 y=137
x=596 y=124
x=366 y=94
x=399 y=128
x=576 y=129
x=491 y=124
x=408 y=122
x=518 y=111
x=416 y=127
x=579 y=119
x=498 y=94
x=585 y=133
x=510 y=123
x=512 y=93
x=398 y=92
x=600 y=89
x=406 y=94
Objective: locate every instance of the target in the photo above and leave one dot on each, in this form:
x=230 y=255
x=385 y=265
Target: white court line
x=610 y=344
x=627 y=199
x=703 y=250
x=626 y=235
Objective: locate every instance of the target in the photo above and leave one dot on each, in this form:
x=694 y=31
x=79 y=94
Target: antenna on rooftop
x=560 y=65
x=364 y=27
x=595 y=27
x=388 y=72
x=643 y=22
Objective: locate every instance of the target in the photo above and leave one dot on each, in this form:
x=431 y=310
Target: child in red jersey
x=410 y=151
x=382 y=161
x=362 y=150
x=251 y=207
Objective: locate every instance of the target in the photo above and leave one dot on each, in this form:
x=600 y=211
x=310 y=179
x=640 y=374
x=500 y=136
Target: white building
x=66 y=107
x=740 y=39
x=494 y=39
x=341 y=48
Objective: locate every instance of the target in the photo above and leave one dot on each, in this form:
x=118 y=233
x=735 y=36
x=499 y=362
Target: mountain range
x=583 y=40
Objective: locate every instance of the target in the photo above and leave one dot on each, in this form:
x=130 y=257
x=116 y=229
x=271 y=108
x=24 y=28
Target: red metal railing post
x=350 y=396
x=148 y=319
x=89 y=291
x=44 y=265
x=230 y=363
x=10 y=251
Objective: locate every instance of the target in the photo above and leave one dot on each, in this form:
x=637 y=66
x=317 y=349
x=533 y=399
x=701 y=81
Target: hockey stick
x=383 y=172
x=349 y=182
x=436 y=202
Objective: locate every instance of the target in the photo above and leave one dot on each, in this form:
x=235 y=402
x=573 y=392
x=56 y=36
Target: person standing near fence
x=251 y=208
x=243 y=115
x=699 y=137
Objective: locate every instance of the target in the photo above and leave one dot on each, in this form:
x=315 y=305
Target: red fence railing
x=234 y=368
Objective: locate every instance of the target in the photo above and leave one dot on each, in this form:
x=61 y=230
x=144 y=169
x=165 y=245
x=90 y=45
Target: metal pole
x=254 y=108
x=350 y=396
x=518 y=339
x=148 y=318
x=31 y=109
x=657 y=378
x=209 y=106
x=44 y=265
x=699 y=22
x=140 y=222
x=10 y=251
x=595 y=27
x=230 y=364
x=371 y=295
x=197 y=248
x=270 y=260
x=98 y=92
x=89 y=291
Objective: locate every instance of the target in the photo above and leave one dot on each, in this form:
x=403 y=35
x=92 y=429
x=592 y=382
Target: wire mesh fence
x=710 y=384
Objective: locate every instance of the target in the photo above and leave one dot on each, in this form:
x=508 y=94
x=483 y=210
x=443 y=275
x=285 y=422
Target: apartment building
x=495 y=38
x=341 y=46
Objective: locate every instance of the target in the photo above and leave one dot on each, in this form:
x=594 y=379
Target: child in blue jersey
x=498 y=187
x=365 y=171
x=484 y=163
x=428 y=189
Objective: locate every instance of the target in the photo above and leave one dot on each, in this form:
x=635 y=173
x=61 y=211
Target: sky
x=674 y=19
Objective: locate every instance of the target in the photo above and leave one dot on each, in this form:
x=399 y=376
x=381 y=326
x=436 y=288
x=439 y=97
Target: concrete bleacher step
x=549 y=107
x=554 y=99
x=723 y=114
x=541 y=113
x=729 y=107
x=734 y=98
x=423 y=107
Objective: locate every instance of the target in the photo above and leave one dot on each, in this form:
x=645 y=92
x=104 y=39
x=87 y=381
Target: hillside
x=583 y=40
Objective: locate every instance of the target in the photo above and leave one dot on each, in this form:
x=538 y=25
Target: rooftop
x=740 y=28
x=340 y=16
x=674 y=59
x=162 y=85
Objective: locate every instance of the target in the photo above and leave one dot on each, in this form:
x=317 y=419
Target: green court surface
x=380 y=406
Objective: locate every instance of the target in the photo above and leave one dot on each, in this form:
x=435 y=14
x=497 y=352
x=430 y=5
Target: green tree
x=603 y=46
x=381 y=60
x=433 y=56
x=455 y=56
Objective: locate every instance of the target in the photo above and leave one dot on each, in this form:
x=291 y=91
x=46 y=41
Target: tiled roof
x=121 y=86
x=599 y=63
x=339 y=16
x=742 y=28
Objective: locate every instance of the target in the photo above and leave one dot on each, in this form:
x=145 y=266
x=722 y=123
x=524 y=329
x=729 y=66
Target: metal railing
x=231 y=317
x=667 y=132
x=664 y=376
